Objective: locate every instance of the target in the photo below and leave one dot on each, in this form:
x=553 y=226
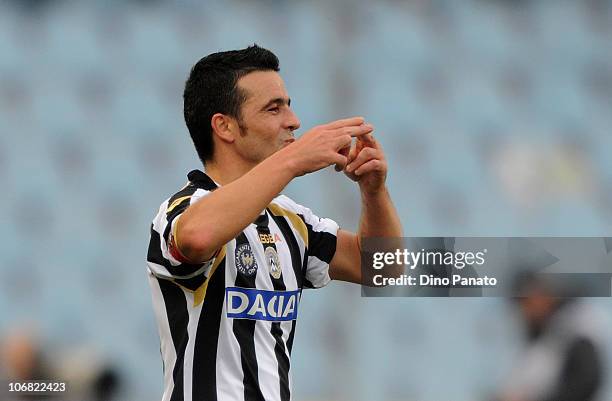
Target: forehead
x=261 y=86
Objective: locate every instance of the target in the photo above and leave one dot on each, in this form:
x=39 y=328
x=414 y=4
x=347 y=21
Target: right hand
x=325 y=145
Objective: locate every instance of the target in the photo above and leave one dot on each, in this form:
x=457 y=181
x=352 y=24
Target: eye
x=274 y=109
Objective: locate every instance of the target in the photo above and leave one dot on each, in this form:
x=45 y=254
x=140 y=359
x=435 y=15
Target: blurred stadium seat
x=93 y=140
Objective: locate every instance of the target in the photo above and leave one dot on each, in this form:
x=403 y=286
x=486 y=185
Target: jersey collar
x=201 y=180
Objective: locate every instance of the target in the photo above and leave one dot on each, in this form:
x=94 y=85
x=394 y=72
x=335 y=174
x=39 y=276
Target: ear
x=224 y=127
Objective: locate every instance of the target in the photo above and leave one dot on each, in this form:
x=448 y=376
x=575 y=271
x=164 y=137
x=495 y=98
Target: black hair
x=211 y=88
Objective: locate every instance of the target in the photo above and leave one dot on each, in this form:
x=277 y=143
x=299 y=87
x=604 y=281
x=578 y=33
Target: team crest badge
x=245 y=260
x=273 y=262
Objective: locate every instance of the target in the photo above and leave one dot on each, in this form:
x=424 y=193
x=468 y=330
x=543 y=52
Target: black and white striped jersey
x=227 y=326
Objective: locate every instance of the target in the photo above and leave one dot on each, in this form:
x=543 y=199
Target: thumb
x=352 y=153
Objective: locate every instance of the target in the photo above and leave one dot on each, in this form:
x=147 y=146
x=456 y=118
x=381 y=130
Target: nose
x=293 y=122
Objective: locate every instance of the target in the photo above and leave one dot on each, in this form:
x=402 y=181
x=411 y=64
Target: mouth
x=288 y=141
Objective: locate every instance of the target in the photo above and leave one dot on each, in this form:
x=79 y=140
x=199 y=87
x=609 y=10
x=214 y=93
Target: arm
x=368 y=166
x=217 y=218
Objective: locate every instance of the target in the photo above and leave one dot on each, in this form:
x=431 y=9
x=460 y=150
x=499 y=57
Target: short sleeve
x=162 y=260
x=322 y=238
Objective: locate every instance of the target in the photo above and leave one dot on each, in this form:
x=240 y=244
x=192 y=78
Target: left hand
x=367 y=164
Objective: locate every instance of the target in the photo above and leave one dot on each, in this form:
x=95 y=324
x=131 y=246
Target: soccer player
x=229 y=256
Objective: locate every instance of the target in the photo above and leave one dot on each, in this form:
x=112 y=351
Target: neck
x=224 y=173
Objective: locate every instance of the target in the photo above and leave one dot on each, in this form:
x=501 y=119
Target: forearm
x=218 y=217
x=378 y=219
x=378 y=215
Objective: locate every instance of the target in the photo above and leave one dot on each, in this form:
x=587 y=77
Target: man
x=562 y=359
x=228 y=255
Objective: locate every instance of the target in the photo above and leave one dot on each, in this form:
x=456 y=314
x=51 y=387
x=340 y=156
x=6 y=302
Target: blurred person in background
x=86 y=375
x=229 y=256
x=563 y=356
x=22 y=360
x=22 y=357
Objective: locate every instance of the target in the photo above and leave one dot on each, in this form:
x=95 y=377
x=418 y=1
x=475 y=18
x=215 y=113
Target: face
x=536 y=306
x=267 y=119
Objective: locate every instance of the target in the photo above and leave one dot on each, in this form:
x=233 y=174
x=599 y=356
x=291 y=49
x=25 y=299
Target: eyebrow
x=278 y=101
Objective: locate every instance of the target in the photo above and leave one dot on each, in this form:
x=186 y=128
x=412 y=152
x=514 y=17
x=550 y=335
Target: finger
x=351 y=175
x=372 y=165
x=368 y=140
x=364 y=156
x=347 y=122
x=355 y=131
x=343 y=141
x=352 y=154
x=339 y=161
x=344 y=152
